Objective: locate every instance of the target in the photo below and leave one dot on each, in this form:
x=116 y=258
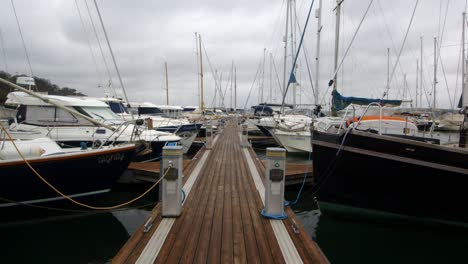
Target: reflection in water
x=41 y=235
x=70 y=238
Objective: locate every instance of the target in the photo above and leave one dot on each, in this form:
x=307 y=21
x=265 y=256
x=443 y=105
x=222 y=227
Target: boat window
x=149 y=111
x=64 y=116
x=48 y=114
x=118 y=107
x=100 y=113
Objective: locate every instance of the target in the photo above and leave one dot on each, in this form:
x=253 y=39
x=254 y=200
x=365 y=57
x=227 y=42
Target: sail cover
x=340 y=102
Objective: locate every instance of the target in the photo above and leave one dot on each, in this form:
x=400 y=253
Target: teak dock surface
x=220 y=220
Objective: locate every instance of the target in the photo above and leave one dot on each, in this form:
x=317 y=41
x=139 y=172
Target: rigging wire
x=306 y=59
x=217 y=87
x=297 y=55
x=22 y=39
x=251 y=87
x=112 y=56
x=109 y=76
x=347 y=50
x=440 y=57
x=89 y=42
x=2 y=43
x=401 y=48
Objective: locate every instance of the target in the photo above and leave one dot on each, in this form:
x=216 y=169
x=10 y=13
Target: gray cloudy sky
x=145 y=33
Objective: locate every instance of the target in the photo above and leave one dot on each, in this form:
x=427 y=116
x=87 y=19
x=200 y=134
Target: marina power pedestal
x=172 y=182
x=209 y=136
x=245 y=137
x=274 y=191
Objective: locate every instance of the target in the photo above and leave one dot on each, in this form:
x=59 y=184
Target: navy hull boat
x=74 y=172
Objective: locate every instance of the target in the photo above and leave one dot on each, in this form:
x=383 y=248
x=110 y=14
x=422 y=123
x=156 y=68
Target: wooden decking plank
x=306 y=247
x=239 y=251
x=194 y=233
x=174 y=244
x=227 y=254
x=214 y=253
x=203 y=244
x=251 y=247
x=263 y=246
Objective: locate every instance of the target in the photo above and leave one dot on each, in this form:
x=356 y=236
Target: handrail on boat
x=360 y=118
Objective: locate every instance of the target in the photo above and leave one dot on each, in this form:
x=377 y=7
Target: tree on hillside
x=42 y=85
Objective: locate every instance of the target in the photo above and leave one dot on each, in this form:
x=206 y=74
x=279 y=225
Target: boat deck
x=220 y=220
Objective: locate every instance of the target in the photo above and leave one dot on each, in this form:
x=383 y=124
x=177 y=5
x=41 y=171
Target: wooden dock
x=149 y=172
x=220 y=220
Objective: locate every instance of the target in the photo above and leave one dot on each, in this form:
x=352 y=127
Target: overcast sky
x=144 y=34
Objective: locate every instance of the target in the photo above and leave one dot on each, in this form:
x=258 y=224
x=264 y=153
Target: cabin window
x=48 y=114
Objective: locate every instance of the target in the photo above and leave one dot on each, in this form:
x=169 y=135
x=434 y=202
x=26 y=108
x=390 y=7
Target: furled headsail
x=340 y=102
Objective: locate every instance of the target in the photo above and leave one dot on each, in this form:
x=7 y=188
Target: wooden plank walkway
x=149 y=172
x=221 y=221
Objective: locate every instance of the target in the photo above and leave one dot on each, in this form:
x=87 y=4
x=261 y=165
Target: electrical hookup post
x=245 y=136
x=274 y=184
x=209 y=135
x=172 y=194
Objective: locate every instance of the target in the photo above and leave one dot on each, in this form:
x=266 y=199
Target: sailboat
x=39 y=170
x=399 y=174
x=76 y=172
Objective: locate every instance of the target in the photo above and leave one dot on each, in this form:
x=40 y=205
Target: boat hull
x=392 y=174
x=76 y=174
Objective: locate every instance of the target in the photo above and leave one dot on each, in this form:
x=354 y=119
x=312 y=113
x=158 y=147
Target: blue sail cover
x=340 y=102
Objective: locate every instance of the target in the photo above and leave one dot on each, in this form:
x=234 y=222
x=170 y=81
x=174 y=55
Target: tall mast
x=318 y=15
x=202 y=104
x=235 y=89
x=112 y=56
x=285 y=39
x=167 y=84
x=271 y=79
x=198 y=67
x=292 y=11
x=232 y=73
x=464 y=106
x=435 y=76
x=421 y=76
x=417 y=83
x=263 y=76
x=388 y=71
x=337 y=40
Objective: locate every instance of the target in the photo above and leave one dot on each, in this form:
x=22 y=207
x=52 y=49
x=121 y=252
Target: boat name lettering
x=110 y=157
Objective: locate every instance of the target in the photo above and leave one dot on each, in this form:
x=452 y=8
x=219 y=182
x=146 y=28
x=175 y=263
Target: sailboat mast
x=292 y=10
x=435 y=76
x=464 y=106
x=421 y=76
x=388 y=72
x=112 y=56
x=285 y=39
x=202 y=104
x=417 y=83
x=235 y=89
x=167 y=84
x=337 y=40
x=271 y=79
x=318 y=15
x=263 y=76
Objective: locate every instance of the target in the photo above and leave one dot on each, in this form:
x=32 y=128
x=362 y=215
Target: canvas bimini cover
x=340 y=102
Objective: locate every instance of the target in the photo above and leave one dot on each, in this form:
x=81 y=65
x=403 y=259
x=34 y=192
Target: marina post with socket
x=172 y=182
x=209 y=135
x=274 y=191
x=244 y=136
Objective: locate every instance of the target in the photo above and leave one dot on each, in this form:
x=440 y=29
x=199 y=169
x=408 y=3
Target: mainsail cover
x=340 y=102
